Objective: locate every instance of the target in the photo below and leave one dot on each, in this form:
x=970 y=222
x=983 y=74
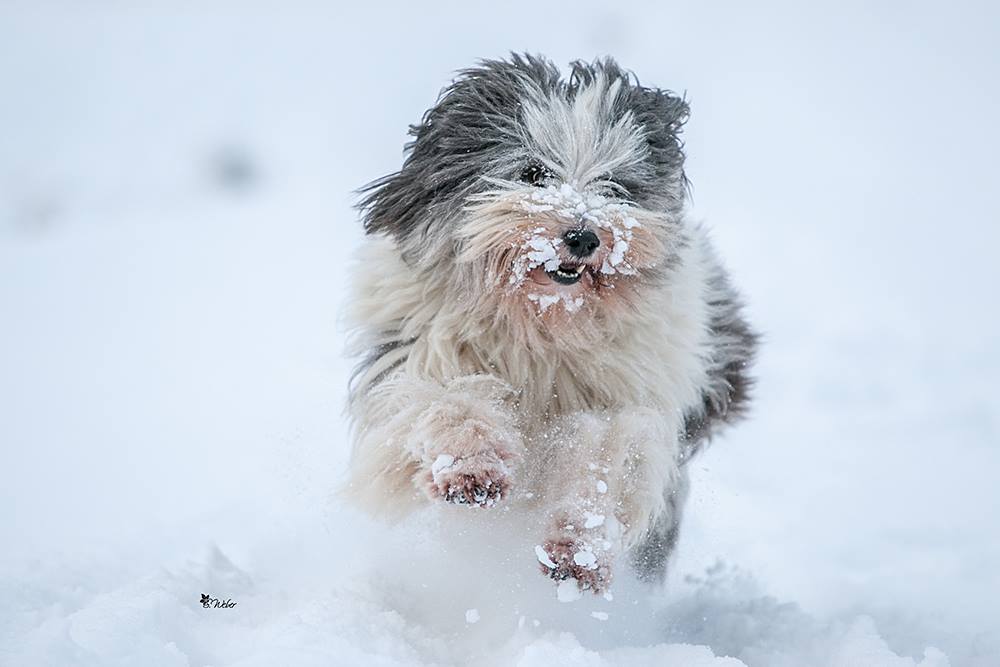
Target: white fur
x=577 y=148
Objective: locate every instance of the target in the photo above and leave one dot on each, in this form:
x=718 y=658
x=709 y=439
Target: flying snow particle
x=472 y=616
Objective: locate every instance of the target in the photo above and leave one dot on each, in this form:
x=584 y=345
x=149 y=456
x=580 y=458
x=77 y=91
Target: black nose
x=581 y=242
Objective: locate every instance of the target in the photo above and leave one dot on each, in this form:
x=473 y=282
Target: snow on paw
x=480 y=480
x=571 y=558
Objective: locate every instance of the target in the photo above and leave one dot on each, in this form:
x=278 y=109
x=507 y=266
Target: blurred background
x=176 y=231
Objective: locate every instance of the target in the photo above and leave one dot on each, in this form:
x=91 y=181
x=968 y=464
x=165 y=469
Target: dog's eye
x=535 y=174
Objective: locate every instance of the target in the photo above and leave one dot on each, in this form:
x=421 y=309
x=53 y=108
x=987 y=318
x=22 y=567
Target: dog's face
x=546 y=201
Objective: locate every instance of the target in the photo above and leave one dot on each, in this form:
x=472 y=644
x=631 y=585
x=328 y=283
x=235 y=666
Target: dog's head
x=542 y=201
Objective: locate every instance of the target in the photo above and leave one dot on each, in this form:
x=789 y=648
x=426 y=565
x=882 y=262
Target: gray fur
x=651 y=557
x=726 y=398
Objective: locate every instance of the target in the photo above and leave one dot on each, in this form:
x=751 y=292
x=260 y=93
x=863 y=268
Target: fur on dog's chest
x=558 y=383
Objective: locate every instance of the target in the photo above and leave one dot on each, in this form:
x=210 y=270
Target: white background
x=171 y=371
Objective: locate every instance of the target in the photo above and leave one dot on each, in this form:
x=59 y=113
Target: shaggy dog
x=540 y=323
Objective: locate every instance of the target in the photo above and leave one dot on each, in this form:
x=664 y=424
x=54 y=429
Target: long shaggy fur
x=502 y=363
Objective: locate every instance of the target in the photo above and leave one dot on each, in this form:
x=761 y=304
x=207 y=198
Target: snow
x=472 y=616
x=544 y=252
x=585 y=558
x=543 y=557
x=568 y=202
x=539 y=249
x=545 y=300
x=441 y=463
x=568 y=591
x=175 y=231
x=592 y=520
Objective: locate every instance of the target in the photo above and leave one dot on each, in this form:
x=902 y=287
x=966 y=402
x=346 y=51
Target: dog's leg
x=457 y=442
x=651 y=555
x=617 y=470
x=467 y=443
x=583 y=534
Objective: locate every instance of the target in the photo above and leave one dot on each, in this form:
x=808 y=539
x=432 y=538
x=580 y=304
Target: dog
x=538 y=321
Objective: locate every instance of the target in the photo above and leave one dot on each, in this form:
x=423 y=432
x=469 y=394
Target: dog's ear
x=662 y=114
x=439 y=161
x=391 y=204
x=470 y=127
x=398 y=204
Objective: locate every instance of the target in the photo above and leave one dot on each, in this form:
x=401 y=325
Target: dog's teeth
x=571 y=273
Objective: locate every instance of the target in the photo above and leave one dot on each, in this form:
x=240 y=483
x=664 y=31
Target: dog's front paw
x=480 y=480
x=574 y=558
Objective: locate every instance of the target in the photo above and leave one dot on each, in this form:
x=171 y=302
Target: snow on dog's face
x=556 y=248
x=537 y=199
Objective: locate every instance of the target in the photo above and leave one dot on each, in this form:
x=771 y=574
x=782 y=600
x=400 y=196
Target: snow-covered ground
x=175 y=232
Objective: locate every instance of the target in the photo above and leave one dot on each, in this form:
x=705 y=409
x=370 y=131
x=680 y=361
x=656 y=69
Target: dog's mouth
x=567 y=274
